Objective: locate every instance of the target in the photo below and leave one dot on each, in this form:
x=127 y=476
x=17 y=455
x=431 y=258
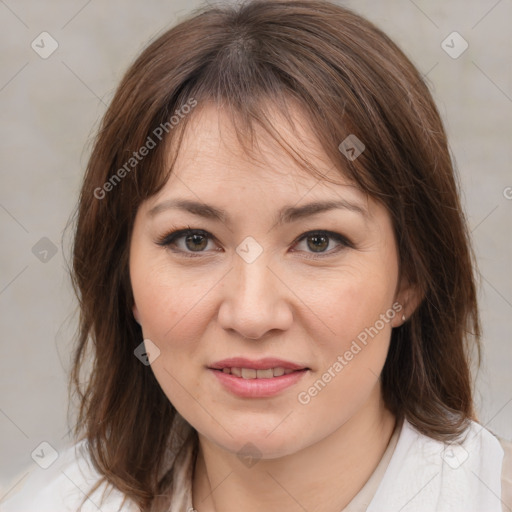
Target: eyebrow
x=287 y=214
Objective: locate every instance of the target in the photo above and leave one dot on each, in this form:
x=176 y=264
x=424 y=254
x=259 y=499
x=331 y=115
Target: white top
x=62 y=487
x=416 y=473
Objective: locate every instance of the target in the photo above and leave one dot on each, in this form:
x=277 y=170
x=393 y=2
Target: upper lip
x=259 y=364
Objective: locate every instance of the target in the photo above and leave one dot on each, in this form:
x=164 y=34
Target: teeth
x=251 y=373
x=263 y=374
x=248 y=373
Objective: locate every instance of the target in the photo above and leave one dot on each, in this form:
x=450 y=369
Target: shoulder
x=475 y=440
x=428 y=474
x=64 y=486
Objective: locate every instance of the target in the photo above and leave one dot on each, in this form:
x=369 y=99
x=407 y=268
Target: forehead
x=211 y=158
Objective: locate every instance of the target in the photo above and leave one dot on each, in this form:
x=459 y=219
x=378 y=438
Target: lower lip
x=257 y=388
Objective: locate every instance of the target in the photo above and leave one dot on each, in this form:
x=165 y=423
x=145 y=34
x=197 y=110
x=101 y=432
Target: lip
x=260 y=364
x=257 y=388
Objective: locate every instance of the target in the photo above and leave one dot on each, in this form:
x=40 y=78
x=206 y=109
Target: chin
x=257 y=444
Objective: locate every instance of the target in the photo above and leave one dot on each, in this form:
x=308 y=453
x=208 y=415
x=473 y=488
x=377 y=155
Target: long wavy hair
x=347 y=77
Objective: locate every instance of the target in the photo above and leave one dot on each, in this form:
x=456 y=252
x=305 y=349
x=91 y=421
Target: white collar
x=425 y=475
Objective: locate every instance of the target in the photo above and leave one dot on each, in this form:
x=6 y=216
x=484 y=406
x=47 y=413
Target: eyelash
x=170 y=238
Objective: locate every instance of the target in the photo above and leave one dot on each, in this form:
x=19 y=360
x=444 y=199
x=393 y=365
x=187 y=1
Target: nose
x=255 y=301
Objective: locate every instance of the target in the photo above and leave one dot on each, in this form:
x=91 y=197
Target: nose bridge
x=253 y=285
x=254 y=301
x=253 y=277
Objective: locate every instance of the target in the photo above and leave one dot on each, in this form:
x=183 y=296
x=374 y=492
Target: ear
x=135 y=312
x=409 y=297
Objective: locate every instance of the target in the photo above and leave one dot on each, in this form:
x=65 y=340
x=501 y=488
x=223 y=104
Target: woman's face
x=266 y=275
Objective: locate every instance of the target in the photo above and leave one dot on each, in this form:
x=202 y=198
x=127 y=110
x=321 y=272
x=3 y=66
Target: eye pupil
x=319 y=242
x=201 y=240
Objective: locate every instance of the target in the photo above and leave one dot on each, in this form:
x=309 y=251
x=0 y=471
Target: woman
x=276 y=282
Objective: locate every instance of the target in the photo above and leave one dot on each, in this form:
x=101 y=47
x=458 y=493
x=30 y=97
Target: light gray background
x=50 y=108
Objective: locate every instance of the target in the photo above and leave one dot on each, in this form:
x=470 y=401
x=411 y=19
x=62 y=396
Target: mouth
x=252 y=373
x=265 y=368
x=257 y=379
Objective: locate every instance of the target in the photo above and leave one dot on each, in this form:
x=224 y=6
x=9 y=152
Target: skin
x=285 y=304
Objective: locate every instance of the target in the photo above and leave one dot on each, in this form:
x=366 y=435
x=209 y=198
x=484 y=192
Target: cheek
x=173 y=317
x=356 y=310
x=175 y=308
x=162 y=296
x=351 y=302
x=169 y=307
x=351 y=358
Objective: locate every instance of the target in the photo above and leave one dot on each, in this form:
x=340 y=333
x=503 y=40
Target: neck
x=323 y=476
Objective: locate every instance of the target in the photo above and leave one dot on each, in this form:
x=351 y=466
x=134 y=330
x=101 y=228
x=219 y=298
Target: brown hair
x=347 y=77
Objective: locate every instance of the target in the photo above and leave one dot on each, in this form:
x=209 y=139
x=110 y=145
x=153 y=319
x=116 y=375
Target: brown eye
x=196 y=242
x=187 y=241
x=323 y=243
x=318 y=243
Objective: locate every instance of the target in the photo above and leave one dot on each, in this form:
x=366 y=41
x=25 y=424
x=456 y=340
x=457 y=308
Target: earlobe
x=409 y=298
x=399 y=317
